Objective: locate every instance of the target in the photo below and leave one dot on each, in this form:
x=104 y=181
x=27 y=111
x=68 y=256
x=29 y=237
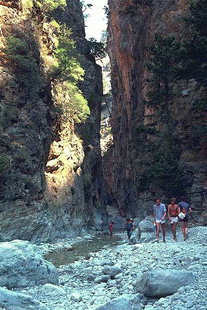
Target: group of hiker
x=175 y=212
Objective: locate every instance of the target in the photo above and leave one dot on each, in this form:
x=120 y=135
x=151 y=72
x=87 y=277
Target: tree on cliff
x=194 y=59
x=170 y=62
x=164 y=67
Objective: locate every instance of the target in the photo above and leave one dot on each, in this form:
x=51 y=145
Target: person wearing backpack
x=173 y=211
x=185 y=209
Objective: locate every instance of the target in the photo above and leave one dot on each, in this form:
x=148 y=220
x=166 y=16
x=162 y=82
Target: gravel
x=81 y=287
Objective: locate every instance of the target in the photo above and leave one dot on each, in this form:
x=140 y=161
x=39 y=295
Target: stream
x=83 y=249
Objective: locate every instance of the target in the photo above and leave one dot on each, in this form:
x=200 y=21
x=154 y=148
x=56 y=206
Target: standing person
x=173 y=211
x=186 y=209
x=111 y=226
x=129 y=227
x=159 y=211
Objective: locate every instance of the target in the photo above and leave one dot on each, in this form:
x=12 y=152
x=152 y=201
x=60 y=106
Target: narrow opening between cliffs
x=96 y=20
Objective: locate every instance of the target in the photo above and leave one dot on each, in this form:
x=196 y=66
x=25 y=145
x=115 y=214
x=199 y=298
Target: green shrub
x=164 y=171
x=68 y=66
x=97 y=49
x=195 y=47
x=24 y=60
x=48 y=6
x=73 y=104
x=70 y=72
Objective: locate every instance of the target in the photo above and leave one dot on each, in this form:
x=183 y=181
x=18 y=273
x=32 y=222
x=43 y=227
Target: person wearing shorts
x=159 y=211
x=186 y=209
x=173 y=211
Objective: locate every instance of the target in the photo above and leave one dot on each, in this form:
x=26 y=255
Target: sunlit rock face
x=132 y=27
x=51 y=184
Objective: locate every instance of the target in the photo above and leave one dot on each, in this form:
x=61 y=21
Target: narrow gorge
x=96 y=123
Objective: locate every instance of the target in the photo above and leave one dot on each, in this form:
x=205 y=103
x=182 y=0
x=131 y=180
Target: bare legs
x=185 y=230
x=174 y=225
x=158 y=231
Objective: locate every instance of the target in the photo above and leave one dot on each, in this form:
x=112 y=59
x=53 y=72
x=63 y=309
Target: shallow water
x=82 y=250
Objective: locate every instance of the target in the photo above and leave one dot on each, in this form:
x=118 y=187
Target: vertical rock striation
x=132 y=28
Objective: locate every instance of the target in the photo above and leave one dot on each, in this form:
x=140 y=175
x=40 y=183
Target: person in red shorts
x=173 y=211
x=111 y=226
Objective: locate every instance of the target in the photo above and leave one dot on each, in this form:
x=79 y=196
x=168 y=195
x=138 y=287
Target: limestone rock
x=146 y=226
x=121 y=303
x=17 y=301
x=22 y=264
x=103 y=278
x=160 y=282
x=112 y=271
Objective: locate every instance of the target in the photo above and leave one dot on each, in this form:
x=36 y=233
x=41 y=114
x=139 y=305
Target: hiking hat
x=181 y=215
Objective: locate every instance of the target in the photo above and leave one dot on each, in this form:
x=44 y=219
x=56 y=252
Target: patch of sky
x=96 y=21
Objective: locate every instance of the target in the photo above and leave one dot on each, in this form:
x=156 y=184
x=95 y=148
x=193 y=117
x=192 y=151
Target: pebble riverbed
x=86 y=284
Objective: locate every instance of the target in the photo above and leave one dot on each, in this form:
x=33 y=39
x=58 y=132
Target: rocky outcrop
x=50 y=167
x=132 y=28
x=13 y=300
x=22 y=265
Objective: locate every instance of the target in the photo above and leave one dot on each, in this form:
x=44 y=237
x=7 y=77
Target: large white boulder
x=161 y=282
x=146 y=225
x=22 y=264
x=146 y=230
x=16 y=301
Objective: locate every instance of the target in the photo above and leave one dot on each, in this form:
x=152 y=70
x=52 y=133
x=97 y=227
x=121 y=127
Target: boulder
x=16 y=301
x=111 y=271
x=146 y=226
x=22 y=264
x=146 y=231
x=52 y=290
x=121 y=303
x=161 y=283
x=102 y=278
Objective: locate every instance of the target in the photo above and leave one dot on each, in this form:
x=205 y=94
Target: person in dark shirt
x=129 y=227
x=186 y=209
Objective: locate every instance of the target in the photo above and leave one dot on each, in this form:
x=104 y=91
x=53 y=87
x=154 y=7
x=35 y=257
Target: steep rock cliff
x=132 y=28
x=51 y=179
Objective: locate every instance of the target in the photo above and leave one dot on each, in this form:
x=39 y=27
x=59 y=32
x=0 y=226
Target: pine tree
x=194 y=52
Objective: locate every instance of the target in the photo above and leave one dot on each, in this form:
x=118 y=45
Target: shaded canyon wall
x=132 y=28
